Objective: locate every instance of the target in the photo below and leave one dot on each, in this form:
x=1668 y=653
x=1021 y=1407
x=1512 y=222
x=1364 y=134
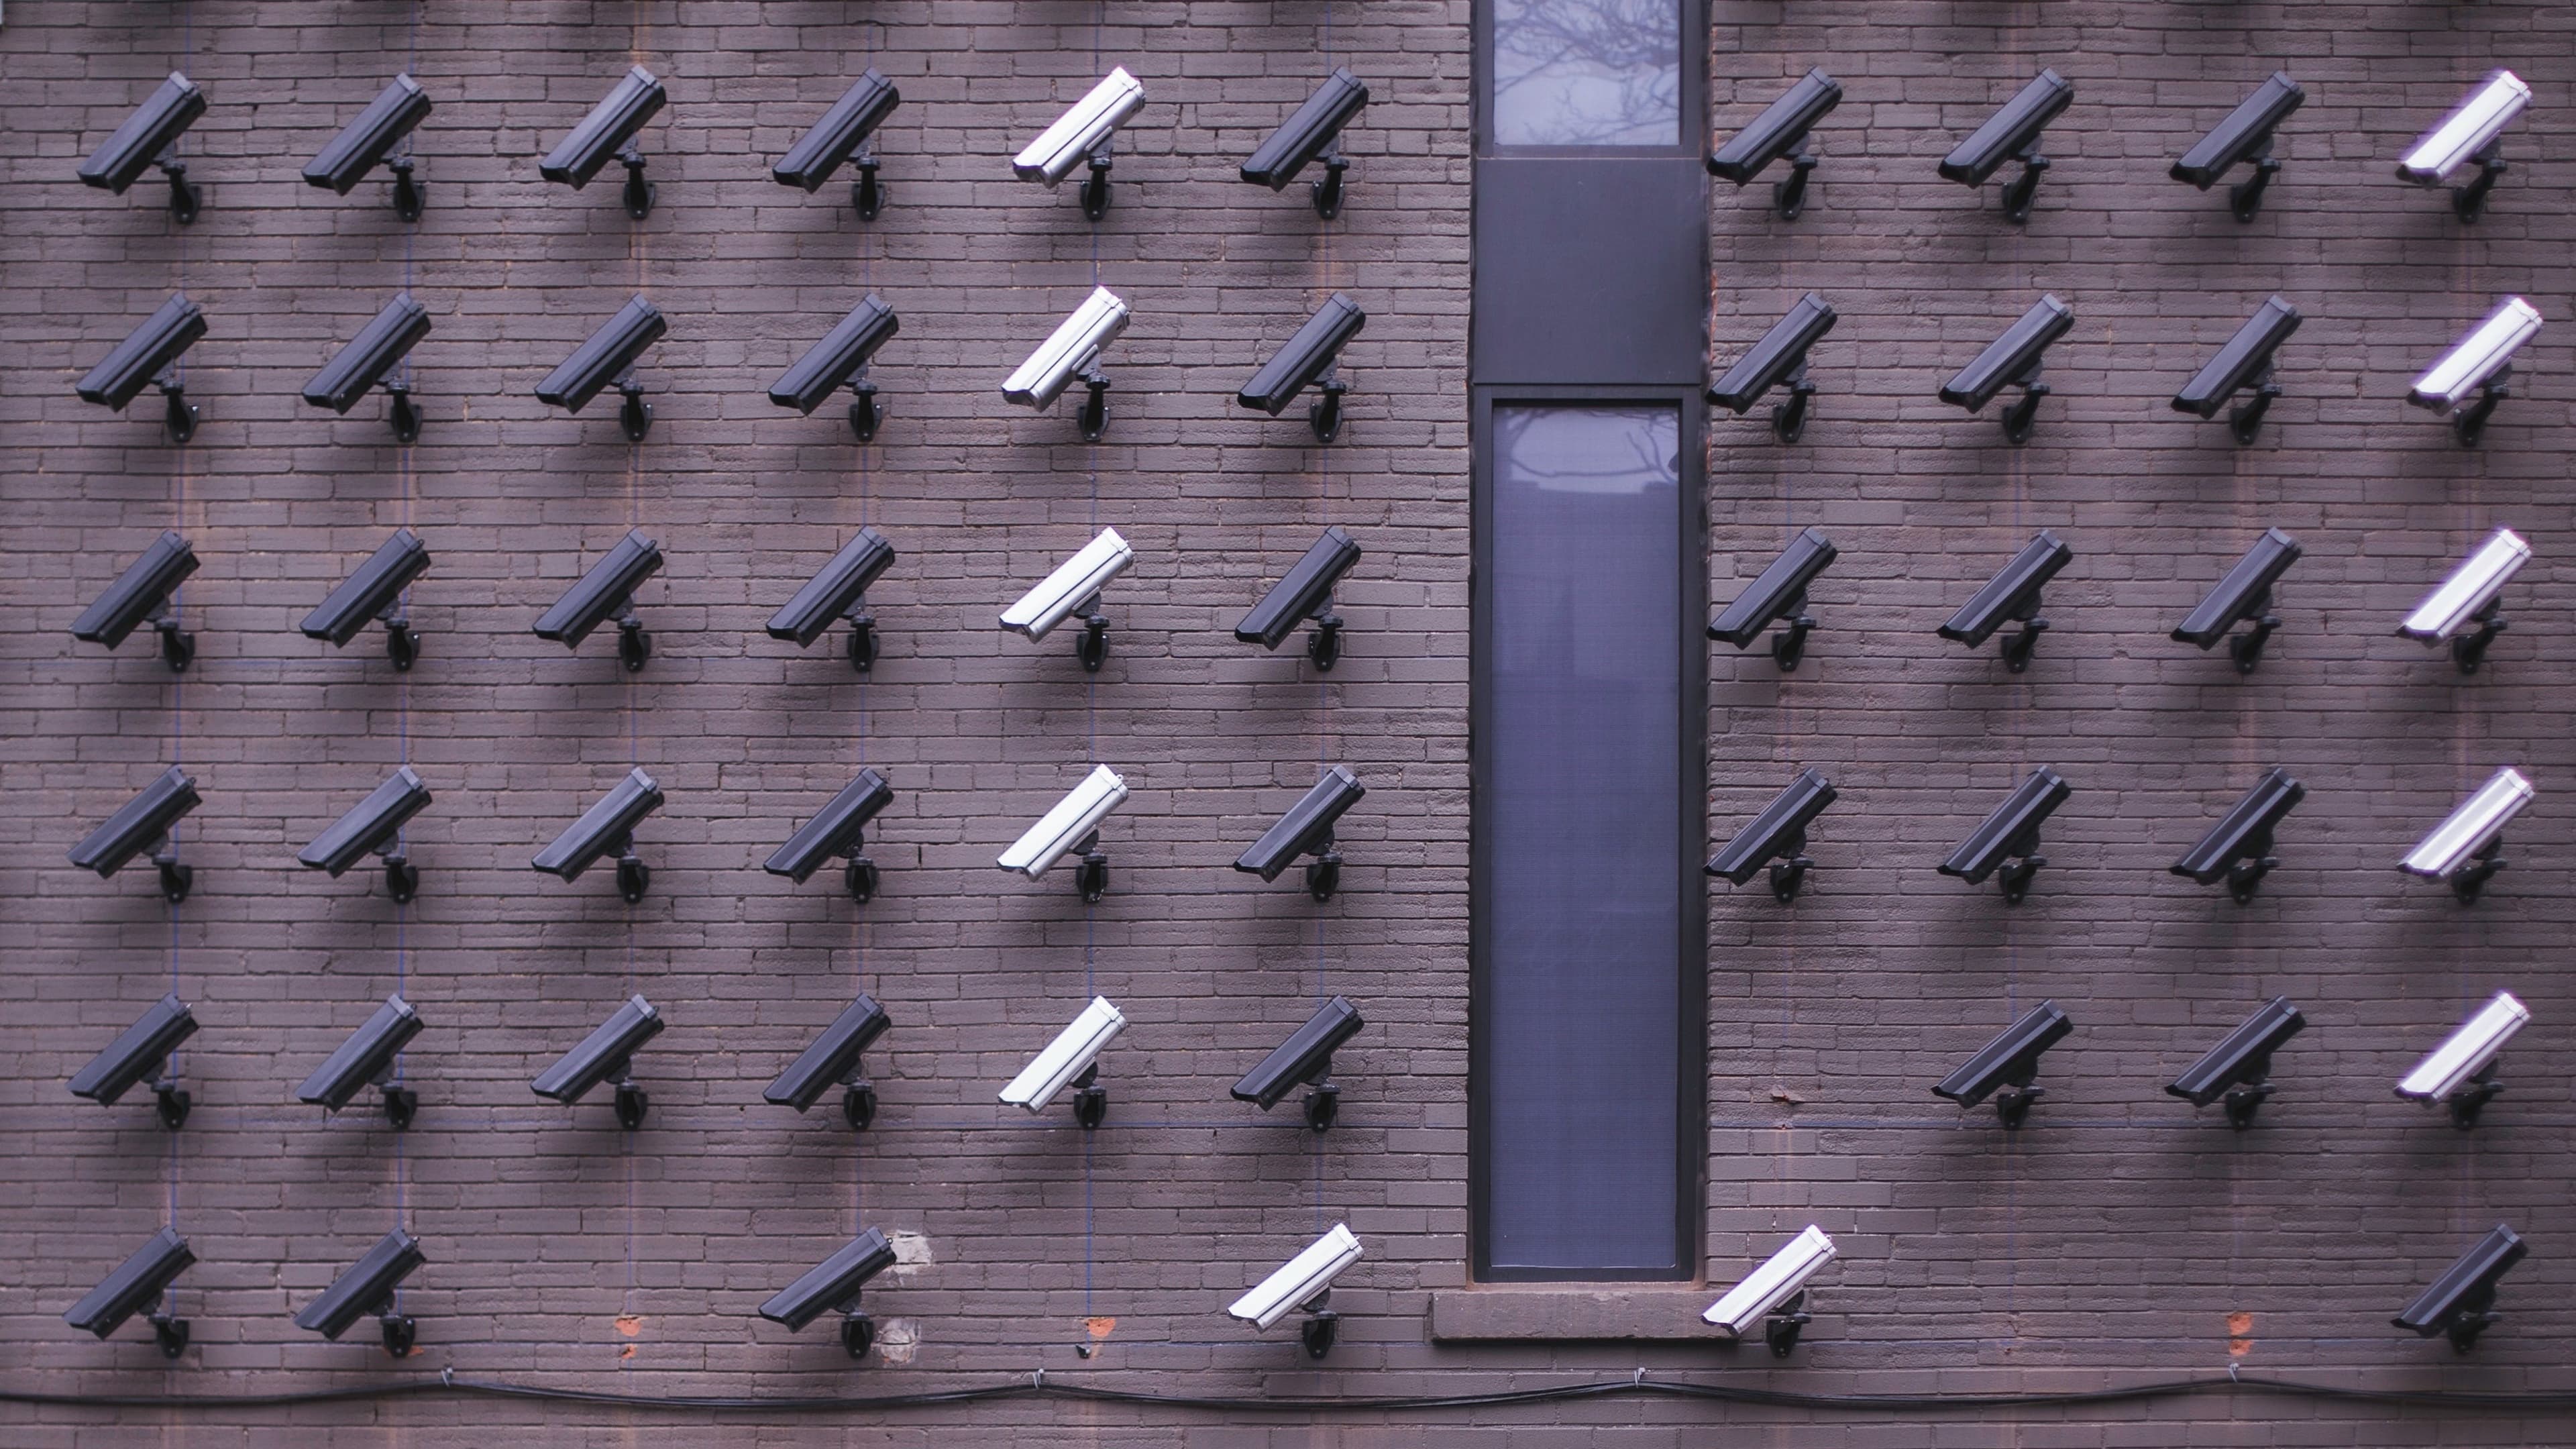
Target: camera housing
x=143 y=823
x=1073 y=825
x=2481 y=361
x=2472 y=594
x=140 y=1051
x=2245 y=362
x=839 y=590
x=2005 y=1067
x=374 y=827
x=609 y=356
x=606 y=1055
x=368 y=1288
x=607 y=592
x=143 y=593
x=1073 y=587
x=2473 y=131
x=841 y=360
x=355 y=370
x=1302 y=1283
x=136 y=1286
x=1781 y=130
x=1083 y=134
x=367 y=1059
x=374 y=592
x=1775 y=1293
x=1073 y=350
x=2245 y=593
x=2007 y=840
x=609 y=131
x=2246 y=135
x=1778 y=834
x=1778 y=595
x=607 y=827
x=1305 y=1059
x=150 y=137
x=1310 y=134
x=2014 y=359
x=149 y=357
x=2234 y=1071
x=1307 y=829
x=841 y=134
x=2461 y=1303
x=1780 y=357
x=834 y=1058
x=2465 y=849
x=2012 y=134
x=2012 y=596
x=838 y=832
x=2238 y=849
x=832 y=1286
x=2460 y=1073
x=368 y=141
x=1306 y=592
x=1309 y=359
x=1071 y=1060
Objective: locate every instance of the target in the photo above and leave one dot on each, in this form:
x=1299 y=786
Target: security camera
x=1305 y=1059
x=2007 y=840
x=2012 y=596
x=2013 y=360
x=2472 y=594
x=2005 y=1067
x=149 y=356
x=1074 y=824
x=374 y=827
x=140 y=824
x=368 y=141
x=2012 y=134
x=1779 y=834
x=1775 y=1293
x=1306 y=592
x=834 y=1058
x=368 y=1288
x=1309 y=360
x=2463 y=849
x=1780 y=357
x=609 y=356
x=375 y=591
x=143 y=593
x=1074 y=587
x=2460 y=1073
x=137 y=1286
x=2234 y=1070
x=367 y=1059
x=1302 y=1282
x=839 y=590
x=1071 y=1060
x=2246 y=135
x=2238 y=849
x=356 y=369
x=2473 y=131
x=607 y=592
x=1307 y=829
x=2246 y=593
x=832 y=1286
x=1073 y=350
x=1781 y=130
x=1082 y=134
x=839 y=136
x=2480 y=362
x=149 y=138
x=2245 y=362
x=1778 y=595
x=2461 y=1303
x=606 y=1055
x=1309 y=134
x=838 y=833
x=609 y=131
x=607 y=828
x=142 y=1050
x=841 y=360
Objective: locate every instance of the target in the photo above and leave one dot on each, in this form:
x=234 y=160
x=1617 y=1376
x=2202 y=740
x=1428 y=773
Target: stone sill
x=1541 y=1313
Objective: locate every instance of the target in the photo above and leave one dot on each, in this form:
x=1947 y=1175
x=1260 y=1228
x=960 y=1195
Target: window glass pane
x=1581 y=816
x=1587 y=72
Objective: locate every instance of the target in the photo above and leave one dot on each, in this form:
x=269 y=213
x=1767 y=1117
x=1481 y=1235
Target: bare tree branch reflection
x=1586 y=72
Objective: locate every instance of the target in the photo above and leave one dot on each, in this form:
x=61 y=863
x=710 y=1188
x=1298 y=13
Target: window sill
x=1566 y=1313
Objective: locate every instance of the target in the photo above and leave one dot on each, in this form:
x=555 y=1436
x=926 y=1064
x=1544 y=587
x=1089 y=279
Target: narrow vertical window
x=1587 y=72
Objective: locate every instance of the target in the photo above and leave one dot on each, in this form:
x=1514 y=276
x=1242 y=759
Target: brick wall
x=2114 y=1236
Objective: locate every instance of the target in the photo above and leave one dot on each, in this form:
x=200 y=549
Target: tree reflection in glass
x=1587 y=72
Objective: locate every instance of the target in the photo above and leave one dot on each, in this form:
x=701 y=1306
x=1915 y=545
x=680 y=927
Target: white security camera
x=2460 y=1071
x=2470 y=596
x=1300 y=1281
x=1083 y=134
x=2469 y=380
x=1072 y=825
x=2462 y=849
x=1071 y=1060
x=1775 y=1286
x=1073 y=350
x=1074 y=587
x=2471 y=132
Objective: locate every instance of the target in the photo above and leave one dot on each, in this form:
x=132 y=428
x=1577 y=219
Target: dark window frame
x=1689 y=803
x=1693 y=61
